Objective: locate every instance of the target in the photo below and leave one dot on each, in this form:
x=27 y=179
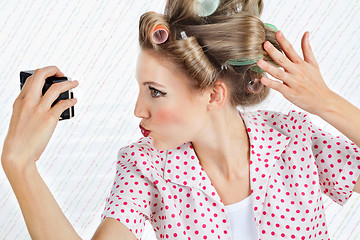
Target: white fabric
x=242 y=220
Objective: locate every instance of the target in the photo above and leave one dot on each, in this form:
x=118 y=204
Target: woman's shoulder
x=273 y=117
x=143 y=155
x=290 y=124
x=141 y=150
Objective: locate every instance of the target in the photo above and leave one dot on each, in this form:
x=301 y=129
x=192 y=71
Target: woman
x=204 y=170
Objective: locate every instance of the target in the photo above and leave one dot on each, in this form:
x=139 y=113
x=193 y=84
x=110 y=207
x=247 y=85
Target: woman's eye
x=156 y=93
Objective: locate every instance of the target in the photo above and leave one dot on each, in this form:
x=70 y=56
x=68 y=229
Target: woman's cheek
x=168 y=116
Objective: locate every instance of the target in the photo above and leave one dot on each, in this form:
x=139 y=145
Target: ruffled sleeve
x=337 y=160
x=130 y=198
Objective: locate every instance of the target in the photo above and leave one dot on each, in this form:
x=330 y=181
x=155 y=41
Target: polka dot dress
x=292 y=164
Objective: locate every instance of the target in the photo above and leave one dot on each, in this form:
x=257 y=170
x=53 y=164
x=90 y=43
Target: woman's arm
x=112 y=229
x=32 y=124
x=44 y=218
x=345 y=117
x=302 y=84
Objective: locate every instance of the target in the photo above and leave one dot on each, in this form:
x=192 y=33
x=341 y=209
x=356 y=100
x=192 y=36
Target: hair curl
x=233 y=31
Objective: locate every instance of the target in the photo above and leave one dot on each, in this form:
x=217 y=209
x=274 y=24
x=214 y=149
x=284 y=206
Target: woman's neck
x=222 y=147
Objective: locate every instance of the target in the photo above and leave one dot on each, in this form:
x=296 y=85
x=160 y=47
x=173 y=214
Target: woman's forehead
x=156 y=69
x=150 y=69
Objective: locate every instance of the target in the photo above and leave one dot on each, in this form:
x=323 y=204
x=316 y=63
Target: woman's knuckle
x=16 y=103
x=281 y=61
x=57 y=87
x=273 y=85
x=301 y=75
x=60 y=103
x=27 y=102
x=63 y=104
x=37 y=72
x=288 y=47
x=38 y=110
x=279 y=73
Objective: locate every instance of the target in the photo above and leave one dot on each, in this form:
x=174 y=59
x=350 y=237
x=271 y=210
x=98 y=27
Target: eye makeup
x=156 y=93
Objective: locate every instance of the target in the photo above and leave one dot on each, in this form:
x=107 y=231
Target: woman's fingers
x=37 y=82
x=287 y=47
x=61 y=106
x=301 y=82
x=273 y=71
x=278 y=57
x=25 y=88
x=54 y=91
x=32 y=125
x=276 y=85
x=307 y=51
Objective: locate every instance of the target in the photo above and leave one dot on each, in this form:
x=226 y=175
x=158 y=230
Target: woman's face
x=170 y=109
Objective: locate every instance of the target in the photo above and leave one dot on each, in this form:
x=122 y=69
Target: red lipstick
x=144 y=131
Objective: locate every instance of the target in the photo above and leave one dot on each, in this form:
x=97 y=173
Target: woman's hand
x=33 y=120
x=302 y=83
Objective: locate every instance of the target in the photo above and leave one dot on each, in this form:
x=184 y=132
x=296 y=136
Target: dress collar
x=266 y=145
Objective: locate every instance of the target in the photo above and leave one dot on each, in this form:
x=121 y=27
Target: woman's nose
x=141 y=110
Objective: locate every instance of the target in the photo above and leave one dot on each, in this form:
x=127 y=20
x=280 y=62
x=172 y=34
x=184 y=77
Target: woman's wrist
x=16 y=168
x=342 y=115
x=331 y=105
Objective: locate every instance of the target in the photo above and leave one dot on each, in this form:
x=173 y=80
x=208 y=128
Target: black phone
x=68 y=113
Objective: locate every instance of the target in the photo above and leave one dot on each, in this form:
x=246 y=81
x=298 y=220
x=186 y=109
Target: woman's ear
x=217 y=95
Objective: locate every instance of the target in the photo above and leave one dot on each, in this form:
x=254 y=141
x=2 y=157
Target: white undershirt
x=242 y=220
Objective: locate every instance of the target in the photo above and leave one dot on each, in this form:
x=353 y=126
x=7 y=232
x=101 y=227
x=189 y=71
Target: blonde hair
x=233 y=31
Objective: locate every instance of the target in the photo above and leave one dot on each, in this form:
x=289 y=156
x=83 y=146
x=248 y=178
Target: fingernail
x=280 y=34
x=267 y=45
x=76 y=81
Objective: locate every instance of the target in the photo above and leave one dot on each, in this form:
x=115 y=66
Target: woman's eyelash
x=156 y=93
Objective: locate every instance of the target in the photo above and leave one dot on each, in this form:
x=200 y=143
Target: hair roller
x=159 y=34
x=255 y=86
x=154 y=30
x=201 y=43
x=195 y=61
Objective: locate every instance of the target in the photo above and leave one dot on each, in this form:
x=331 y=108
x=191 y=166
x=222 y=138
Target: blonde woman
x=204 y=170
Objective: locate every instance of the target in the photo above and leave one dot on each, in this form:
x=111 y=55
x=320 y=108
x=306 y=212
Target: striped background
x=95 y=41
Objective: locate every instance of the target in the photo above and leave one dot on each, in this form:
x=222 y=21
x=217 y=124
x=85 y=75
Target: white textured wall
x=95 y=41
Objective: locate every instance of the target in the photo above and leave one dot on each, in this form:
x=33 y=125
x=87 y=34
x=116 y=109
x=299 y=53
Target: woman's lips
x=144 y=131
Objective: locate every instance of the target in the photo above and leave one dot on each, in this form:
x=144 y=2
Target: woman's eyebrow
x=153 y=83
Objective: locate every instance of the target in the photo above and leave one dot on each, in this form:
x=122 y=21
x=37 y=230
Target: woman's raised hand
x=302 y=83
x=33 y=120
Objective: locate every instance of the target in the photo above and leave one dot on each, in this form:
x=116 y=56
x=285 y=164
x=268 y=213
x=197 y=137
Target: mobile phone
x=68 y=113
